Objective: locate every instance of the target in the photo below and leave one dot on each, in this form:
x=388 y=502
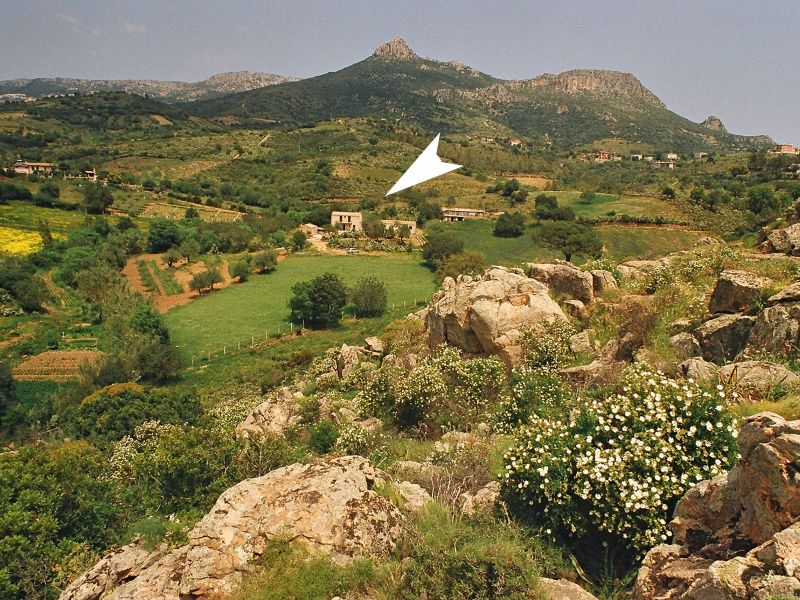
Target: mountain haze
x=576 y=107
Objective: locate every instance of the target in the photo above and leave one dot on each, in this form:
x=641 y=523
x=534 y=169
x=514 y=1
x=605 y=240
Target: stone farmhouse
x=451 y=213
x=347 y=221
x=29 y=168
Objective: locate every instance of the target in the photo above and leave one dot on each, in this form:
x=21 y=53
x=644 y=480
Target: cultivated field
x=55 y=365
x=620 y=242
x=260 y=306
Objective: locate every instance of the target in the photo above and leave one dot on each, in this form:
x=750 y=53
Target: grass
x=167 y=279
x=19 y=241
x=259 y=306
x=147 y=276
x=620 y=241
x=635 y=206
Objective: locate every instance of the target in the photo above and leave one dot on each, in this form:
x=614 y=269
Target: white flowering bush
x=601 y=264
x=232 y=404
x=442 y=385
x=142 y=442
x=547 y=345
x=617 y=466
x=532 y=390
x=353 y=439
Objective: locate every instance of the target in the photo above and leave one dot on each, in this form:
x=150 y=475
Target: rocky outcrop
x=563 y=589
x=723 y=338
x=788 y=294
x=602 y=281
x=329 y=507
x=736 y=291
x=414 y=496
x=116 y=567
x=713 y=123
x=581 y=342
x=396 y=48
x=776 y=330
x=785 y=241
x=603 y=83
x=482 y=501
x=347 y=360
x=486 y=315
x=609 y=364
x=273 y=416
x=736 y=536
x=374 y=346
x=564 y=278
x=636 y=269
x=698 y=369
x=758 y=375
x=685 y=345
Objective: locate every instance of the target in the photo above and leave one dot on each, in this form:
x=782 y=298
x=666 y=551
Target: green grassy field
x=259 y=306
x=635 y=206
x=620 y=241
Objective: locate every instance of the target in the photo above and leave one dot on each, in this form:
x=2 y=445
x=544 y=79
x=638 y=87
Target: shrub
x=369 y=297
x=266 y=261
x=319 y=302
x=240 y=269
x=547 y=345
x=440 y=245
x=353 y=439
x=569 y=238
x=461 y=263
x=322 y=436
x=617 y=465
x=509 y=225
x=533 y=391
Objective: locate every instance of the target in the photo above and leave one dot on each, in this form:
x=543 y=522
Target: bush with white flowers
x=547 y=345
x=444 y=381
x=617 y=465
x=353 y=439
x=532 y=390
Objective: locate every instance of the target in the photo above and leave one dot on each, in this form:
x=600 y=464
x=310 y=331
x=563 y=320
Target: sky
x=736 y=59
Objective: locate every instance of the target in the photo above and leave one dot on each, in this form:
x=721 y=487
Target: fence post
x=252 y=341
x=224 y=350
x=209 y=355
x=291 y=327
x=239 y=345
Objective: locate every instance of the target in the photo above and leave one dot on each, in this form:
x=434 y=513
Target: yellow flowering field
x=18 y=241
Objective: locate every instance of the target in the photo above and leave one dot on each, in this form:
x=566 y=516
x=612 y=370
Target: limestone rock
x=374 y=345
x=758 y=375
x=273 y=416
x=785 y=241
x=736 y=291
x=707 y=241
x=113 y=569
x=636 y=269
x=722 y=338
x=563 y=589
x=486 y=315
x=736 y=536
x=328 y=506
x=612 y=359
x=348 y=359
x=776 y=330
x=482 y=501
x=685 y=345
x=576 y=308
x=680 y=326
x=581 y=342
x=698 y=369
x=602 y=281
x=564 y=278
x=788 y=294
x=414 y=496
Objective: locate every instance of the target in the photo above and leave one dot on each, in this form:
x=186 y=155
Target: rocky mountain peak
x=714 y=123
x=397 y=47
x=598 y=81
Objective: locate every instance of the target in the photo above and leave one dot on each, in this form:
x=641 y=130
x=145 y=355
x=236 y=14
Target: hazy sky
x=736 y=59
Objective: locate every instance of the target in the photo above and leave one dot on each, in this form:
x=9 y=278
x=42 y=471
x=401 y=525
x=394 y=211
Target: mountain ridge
x=164 y=90
x=572 y=108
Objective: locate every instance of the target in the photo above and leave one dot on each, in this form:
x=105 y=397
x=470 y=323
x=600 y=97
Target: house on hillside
x=90 y=174
x=636 y=157
x=648 y=158
x=671 y=156
x=784 y=149
x=663 y=164
x=397 y=224
x=602 y=156
x=451 y=213
x=347 y=221
x=22 y=167
x=312 y=231
x=700 y=155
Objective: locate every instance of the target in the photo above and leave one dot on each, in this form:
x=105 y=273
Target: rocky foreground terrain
x=735 y=536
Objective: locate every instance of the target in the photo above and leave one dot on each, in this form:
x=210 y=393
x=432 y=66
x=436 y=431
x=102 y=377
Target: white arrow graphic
x=427 y=166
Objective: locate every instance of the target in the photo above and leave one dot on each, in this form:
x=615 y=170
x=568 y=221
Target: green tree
x=172 y=256
x=8 y=389
x=299 y=241
x=569 y=238
x=50 y=189
x=162 y=235
x=461 y=263
x=189 y=249
x=441 y=244
x=509 y=225
x=96 y=198
x=240 y=269
x=319 y=302
x=369 y=297
x=266 y=261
